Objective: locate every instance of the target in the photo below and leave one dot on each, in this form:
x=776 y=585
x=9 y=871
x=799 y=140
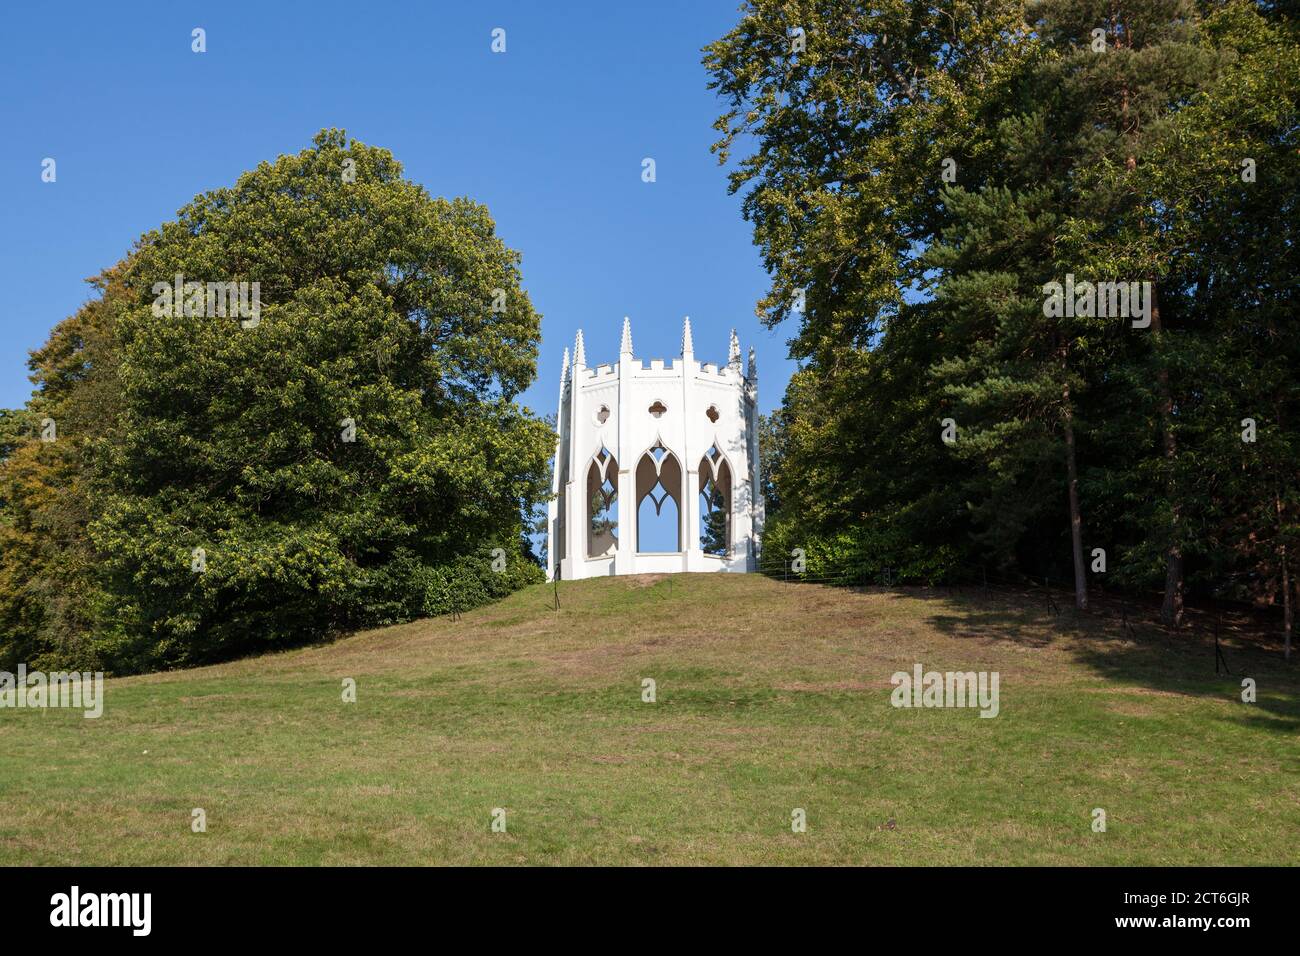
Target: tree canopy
x=350 y=456
x=918 y=174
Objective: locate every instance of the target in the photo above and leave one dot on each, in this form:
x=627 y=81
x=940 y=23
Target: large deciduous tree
x=917 y=172
x=243 y=484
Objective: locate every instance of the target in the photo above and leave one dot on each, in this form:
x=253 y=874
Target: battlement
x=585 y=376
x=672 y=367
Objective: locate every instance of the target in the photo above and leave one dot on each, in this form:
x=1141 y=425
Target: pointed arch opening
x=715 y=503
x=602 y=512
x=658 y=501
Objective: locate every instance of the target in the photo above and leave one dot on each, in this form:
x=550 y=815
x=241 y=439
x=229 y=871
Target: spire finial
x=626 y=347
x=688 y=345
x=753 y=366
x=733 y=355
x=580 y=351
x=564 y=367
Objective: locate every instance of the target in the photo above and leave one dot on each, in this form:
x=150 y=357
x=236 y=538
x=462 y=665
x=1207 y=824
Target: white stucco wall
x=628 y=388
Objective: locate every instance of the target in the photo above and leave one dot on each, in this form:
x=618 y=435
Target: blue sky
x=549 y=135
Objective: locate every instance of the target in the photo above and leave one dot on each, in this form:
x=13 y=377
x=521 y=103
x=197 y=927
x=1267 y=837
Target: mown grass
x=770 y=696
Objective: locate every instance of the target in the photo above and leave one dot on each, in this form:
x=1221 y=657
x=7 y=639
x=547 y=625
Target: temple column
x=625 y=556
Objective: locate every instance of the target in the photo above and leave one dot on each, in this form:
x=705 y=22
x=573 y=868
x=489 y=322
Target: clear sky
x=549 y=135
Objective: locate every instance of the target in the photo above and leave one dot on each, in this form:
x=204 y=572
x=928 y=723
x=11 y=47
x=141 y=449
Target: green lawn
x=771 y=696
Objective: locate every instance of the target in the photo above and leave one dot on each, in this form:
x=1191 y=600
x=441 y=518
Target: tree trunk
x=1288 y=608
x=1171 y=611
x=1076 y=519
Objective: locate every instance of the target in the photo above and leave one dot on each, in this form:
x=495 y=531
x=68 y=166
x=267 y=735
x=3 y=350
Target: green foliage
x=713 y=540
x=470 y=582
x=48 y=585
x=601 y=511
x=924 y=293
x=883 y=549
x=180 y=433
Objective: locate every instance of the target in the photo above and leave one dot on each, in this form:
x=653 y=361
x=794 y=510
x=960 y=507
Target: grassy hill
x=770 y=696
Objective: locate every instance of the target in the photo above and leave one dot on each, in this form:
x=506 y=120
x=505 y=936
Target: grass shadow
x=1126 y=645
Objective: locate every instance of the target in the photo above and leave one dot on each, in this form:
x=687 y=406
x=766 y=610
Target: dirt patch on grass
x=817 y=688
x=1137 y=691
x=1130 y=710
x=643 y=580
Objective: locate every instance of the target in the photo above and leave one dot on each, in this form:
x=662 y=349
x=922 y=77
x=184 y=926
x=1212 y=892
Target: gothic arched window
x=658 y=500
x=715 y=503
x=602 y=514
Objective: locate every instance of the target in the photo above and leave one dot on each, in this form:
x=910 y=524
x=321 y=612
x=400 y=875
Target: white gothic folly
x=675 y=445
